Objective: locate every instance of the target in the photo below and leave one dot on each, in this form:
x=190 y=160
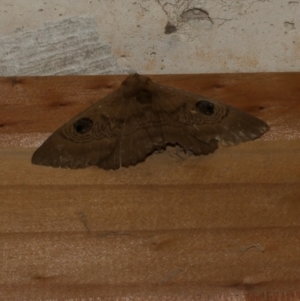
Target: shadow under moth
x=141 y=117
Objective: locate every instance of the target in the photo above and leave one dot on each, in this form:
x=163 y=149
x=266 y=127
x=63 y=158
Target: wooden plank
x=41 y=104
x=224 y=226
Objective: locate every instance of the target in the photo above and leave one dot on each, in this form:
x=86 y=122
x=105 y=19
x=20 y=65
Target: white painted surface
x=202 y=36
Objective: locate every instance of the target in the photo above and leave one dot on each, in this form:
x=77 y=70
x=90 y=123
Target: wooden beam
x=224 y=226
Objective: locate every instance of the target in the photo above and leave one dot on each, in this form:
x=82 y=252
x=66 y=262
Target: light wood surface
x=220 y=227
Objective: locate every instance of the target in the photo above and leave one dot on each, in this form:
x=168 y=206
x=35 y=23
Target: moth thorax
x=144 y=97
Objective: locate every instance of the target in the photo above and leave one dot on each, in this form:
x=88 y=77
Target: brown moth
x=141 y=117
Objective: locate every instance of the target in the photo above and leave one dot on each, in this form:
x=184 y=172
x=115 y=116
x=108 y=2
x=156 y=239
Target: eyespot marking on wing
x=205 y=107
x=83 y=125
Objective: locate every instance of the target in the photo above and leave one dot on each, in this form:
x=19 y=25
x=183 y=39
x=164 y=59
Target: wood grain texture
x=224 y=226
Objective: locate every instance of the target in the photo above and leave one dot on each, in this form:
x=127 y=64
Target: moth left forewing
x=85 y=139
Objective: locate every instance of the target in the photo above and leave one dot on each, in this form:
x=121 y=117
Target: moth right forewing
x=208 y=119
x=239 y=126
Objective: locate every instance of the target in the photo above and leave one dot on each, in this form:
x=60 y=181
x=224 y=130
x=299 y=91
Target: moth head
x=137 y=86
x=205 y=107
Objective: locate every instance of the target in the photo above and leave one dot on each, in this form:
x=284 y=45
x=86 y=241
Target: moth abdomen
x=144 y=97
